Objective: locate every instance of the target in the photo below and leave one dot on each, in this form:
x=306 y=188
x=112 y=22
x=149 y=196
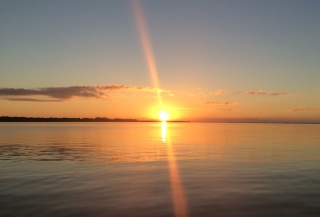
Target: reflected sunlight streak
x=164 y=131
x=179 y=200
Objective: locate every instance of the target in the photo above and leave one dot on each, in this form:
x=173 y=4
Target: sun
x=163 y=116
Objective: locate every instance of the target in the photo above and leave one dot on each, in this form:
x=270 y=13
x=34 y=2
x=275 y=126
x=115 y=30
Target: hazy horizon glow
x=131 y=59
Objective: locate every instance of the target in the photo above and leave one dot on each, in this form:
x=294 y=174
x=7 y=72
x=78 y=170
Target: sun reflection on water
x=179 y=200
x=164 y=131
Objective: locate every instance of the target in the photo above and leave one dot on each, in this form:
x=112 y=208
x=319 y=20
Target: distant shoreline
x=52 y=119
x=104 y=119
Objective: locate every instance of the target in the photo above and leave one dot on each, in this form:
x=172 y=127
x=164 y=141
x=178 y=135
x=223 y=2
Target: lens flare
x=146 y=44
x=179 y=201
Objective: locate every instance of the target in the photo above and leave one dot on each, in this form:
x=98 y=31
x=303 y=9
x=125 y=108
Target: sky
x=196 y=60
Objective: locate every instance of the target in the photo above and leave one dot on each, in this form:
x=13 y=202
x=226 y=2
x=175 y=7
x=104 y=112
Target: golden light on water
x=179 y=200
x=164 y=131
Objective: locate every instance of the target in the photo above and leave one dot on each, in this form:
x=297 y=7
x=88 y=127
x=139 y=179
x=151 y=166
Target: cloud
x=64 y=93
x=260 y=92
x=221 y=103
x=201 y=93
x=277 y=94
x=302 y=109
x=132 y=88
x=56 y=92
x=220 y=92
x=32 y=100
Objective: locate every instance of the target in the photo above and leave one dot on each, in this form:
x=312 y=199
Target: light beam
x=179 y=201
x=146 y=44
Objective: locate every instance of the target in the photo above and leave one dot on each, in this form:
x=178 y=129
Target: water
x=155 y=169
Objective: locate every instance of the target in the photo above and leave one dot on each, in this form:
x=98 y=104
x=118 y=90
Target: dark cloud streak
x=31 y=100
x=64 y=93
x=221 y=103
x=260 y=92
x=303 y=109
x=55 y=92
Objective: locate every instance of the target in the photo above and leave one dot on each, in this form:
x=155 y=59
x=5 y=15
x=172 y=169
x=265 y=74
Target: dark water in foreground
x=150 y=169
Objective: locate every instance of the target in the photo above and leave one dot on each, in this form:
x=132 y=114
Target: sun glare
x=163 y=116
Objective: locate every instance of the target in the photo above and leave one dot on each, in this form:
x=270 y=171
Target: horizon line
x=106 y=119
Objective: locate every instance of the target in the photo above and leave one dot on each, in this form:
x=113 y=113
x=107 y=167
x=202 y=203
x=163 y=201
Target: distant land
x=256 y=120
x=64 y=119
x=105 y=119
x=52 y=119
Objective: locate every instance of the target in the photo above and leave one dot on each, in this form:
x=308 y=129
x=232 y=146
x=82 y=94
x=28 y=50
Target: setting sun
x=163 y=116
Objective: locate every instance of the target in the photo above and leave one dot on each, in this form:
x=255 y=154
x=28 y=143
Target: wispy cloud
x=303 y=109
x=277 y=94
x=261 y=92
x=200 y=93
x=32 y=100
x=220 y=92
x=221 y=103
x=56 y=92
x=250 y=92
x=64 y=93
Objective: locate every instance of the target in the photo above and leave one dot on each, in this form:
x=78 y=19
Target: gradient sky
x=212 y=59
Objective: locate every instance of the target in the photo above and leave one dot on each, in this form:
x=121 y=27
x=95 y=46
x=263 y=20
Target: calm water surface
x=155 y=169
